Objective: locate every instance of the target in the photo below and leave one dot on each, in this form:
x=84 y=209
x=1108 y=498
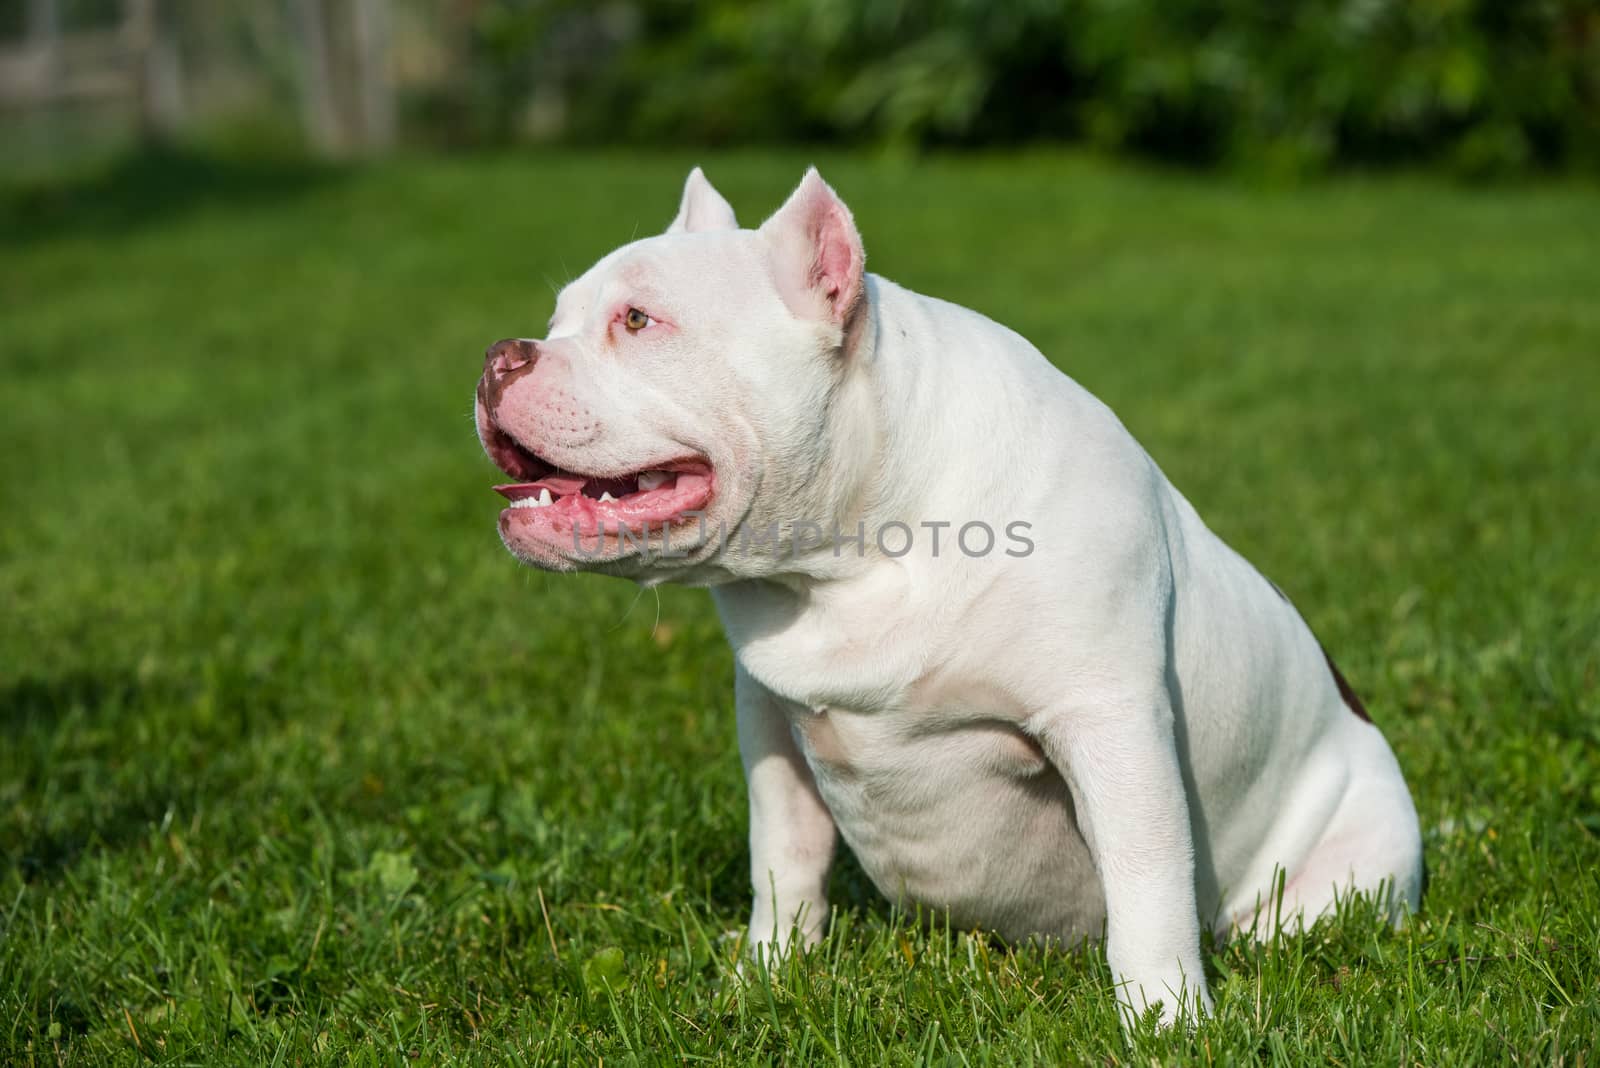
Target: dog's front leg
x=1119 y=758
x=792 y=834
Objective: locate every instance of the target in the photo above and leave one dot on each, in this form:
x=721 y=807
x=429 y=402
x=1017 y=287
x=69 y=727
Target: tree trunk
x=319 y=109
x=374 y=92
x=159 y=73
x=44 y=43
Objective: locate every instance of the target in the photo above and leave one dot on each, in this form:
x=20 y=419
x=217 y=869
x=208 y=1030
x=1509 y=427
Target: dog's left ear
x=817 y=254
x=702 y=207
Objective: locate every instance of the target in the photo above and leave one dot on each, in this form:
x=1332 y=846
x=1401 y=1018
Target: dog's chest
x=860 y=652
x=954 y=810
x=923 y=764
x=871 y=752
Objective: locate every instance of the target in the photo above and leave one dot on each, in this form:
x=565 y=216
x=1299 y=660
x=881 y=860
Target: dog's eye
x=635 y=319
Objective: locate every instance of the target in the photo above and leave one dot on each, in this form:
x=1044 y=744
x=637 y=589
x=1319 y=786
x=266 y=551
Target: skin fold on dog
x=1108 y=725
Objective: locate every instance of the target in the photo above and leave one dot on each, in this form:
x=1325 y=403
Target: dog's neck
x=907 y=374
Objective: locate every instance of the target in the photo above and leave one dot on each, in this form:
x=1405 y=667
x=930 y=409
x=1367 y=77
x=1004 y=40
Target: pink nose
x=503 y=363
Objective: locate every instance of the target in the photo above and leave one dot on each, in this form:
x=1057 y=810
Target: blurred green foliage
x=1485 y=86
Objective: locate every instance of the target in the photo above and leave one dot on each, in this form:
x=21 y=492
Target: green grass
x=298 y=767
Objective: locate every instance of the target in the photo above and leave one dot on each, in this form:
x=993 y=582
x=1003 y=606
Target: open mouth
x=593 y=505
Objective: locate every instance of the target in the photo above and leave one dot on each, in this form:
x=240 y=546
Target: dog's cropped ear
x=702 y=208
x=817 y=254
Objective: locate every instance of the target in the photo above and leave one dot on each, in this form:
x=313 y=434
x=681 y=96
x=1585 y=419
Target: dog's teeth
x=544 y=498
x=650 y=480
x=607 y=496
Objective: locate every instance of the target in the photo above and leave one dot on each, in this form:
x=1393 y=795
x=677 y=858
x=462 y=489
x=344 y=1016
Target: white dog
x=977 y=632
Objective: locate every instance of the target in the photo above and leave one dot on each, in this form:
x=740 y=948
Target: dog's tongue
x=558 y=485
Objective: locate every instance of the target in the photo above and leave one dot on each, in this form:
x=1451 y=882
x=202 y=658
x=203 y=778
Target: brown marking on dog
x=1351 y=701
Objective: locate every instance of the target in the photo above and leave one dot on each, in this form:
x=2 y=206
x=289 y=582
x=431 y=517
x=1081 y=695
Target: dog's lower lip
x=587 y=506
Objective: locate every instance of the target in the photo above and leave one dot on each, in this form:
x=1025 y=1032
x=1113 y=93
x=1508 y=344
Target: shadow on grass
x=41 y=848
x=31 y=701
x=65 y=728
x=149 y=187
x=45 y=855
x=241 y=698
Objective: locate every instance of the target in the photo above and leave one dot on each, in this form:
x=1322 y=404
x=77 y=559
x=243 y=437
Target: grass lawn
x=297 y=766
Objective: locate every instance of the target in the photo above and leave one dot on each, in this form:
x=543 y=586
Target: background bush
x=1484 y=85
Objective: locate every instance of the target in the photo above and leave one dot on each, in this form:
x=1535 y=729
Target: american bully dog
x=977 y=632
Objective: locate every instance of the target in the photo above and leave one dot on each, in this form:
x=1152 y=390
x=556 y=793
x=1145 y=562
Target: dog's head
x=685 y=391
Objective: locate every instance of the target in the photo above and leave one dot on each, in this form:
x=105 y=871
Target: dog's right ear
x=817 y=253
x=702 y=208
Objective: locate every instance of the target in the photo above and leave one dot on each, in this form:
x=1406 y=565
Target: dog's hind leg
x=1372 y=846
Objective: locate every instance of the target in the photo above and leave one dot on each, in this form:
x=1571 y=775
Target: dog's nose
x=506 y=356
x=504 y=363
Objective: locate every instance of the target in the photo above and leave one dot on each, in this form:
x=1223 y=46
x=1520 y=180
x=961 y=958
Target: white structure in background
x=346 y=94
x=340 y=52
